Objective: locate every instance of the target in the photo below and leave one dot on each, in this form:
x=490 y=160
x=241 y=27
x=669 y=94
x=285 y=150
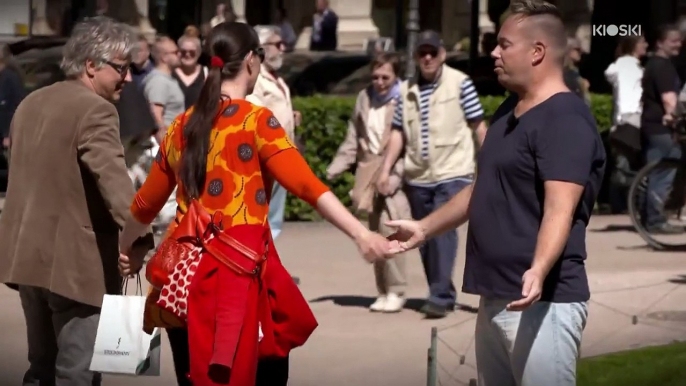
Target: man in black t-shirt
x=539 y=172
x=661 y=86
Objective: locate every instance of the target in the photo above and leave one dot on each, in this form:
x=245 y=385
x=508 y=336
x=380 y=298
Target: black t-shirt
x=660 y=76
x=555 y=140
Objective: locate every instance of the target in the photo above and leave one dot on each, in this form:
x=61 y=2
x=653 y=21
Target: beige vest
x=451 y=141
x=268 y=94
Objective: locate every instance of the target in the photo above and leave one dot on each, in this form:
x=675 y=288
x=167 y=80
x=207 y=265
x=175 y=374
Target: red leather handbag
x=177 y=246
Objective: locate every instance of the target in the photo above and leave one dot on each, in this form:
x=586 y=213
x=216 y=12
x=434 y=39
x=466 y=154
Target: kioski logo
x=616 y=30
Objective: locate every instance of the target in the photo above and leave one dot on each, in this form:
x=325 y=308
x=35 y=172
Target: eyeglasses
x=280 y=44
x=190 y=53
x=122 y=69
x=259 y=51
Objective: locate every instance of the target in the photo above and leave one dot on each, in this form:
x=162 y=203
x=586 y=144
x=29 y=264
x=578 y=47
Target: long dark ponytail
x=230 y=42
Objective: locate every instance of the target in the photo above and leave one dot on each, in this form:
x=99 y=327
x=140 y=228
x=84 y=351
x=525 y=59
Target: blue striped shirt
x=469 y=100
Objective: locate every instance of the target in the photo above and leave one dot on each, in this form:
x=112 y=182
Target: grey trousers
x=61 y=335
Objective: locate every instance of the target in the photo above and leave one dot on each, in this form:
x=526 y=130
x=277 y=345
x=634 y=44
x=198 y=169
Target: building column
x=239 y=9
x=146 y=29
x=355 y=25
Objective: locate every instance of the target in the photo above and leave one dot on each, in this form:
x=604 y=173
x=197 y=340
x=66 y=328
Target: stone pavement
x=355 y=347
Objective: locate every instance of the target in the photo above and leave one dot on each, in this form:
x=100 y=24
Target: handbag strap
x=215 y=228
x=139 y=286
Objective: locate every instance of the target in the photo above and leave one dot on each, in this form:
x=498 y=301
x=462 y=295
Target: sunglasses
x=280 y=44
x=122 y=69
x=431 y=52
x=190 y=53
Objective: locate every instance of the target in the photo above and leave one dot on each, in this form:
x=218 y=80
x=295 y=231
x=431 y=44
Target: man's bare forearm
x=395 y=147
x=669 y=100
x=479 y=128
x=551 y=241
x=449 y=216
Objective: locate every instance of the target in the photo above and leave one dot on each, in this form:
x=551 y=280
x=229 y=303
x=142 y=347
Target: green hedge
x=324 y=129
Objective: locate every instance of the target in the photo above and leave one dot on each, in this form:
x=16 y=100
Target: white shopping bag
x=121 y=345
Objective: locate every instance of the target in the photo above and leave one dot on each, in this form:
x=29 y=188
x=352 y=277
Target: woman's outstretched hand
x=373 y=246
x=410 y=234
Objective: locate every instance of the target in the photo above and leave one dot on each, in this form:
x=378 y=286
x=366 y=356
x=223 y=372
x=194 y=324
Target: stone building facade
x=358 y=19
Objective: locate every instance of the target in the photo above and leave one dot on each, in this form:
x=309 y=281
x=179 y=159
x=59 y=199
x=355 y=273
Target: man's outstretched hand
x=409 y=234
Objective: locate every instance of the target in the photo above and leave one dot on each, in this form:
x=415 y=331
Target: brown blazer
x=68 y=195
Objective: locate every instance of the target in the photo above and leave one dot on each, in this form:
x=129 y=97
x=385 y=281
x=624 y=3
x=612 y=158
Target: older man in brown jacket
x=67 y=201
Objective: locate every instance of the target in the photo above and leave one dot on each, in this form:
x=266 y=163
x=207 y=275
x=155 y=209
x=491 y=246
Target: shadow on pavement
x=680 y=279
x=414 y=304
x=615 y=228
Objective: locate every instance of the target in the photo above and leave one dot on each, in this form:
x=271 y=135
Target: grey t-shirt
x=162 y=89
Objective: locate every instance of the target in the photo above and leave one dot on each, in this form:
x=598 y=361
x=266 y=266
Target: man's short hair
x=264 y=32
x=98 y=39
x=546 y=17
x=156 y=50
x=664 y=30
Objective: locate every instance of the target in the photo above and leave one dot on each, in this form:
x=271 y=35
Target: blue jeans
x=657 y=147
x=439 y=253
x=535 y=347
x=277 y=208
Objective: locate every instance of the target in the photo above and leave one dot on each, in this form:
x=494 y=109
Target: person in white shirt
x=625 y=75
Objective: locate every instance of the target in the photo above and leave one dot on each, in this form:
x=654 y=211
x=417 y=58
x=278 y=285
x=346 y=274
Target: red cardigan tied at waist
x=226 y=309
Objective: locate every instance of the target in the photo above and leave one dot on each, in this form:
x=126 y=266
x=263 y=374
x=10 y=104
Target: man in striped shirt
x=435 y=120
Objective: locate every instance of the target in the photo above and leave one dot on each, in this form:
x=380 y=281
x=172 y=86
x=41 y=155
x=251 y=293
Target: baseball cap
x=429 y=38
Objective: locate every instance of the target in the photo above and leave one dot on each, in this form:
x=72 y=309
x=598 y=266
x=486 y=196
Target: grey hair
x=264 y=32
x=191 y=39
x=98 y=39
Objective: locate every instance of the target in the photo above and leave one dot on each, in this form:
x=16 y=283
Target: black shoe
x=665 y=229
x=434 y=311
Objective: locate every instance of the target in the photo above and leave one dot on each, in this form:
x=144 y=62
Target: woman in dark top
x=190 y=75
x=660 y=89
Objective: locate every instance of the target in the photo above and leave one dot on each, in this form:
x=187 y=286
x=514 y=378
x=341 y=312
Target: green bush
x=324 y=127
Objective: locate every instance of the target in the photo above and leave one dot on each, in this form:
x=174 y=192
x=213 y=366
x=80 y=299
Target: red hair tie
x=216 y=61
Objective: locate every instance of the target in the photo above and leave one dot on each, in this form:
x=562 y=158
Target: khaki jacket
x=268 y=94
x=355 y=150
x=451 y=140
x=68 y=195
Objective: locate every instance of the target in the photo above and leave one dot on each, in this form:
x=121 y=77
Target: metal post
x=412 y=31
x=31 y=16
x=474 y=35
x=431 y=373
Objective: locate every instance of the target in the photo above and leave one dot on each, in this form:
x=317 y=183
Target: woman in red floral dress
x=222 y=153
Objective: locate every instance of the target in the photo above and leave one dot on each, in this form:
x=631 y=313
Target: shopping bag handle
x=139 y=286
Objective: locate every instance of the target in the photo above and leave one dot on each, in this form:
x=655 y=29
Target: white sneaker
x=379 y=305
x=394 y=303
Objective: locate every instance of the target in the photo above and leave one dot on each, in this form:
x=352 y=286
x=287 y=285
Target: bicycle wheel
x=671 y=207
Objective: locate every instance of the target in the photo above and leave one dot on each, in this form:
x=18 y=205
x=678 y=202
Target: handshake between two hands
x=408 y=235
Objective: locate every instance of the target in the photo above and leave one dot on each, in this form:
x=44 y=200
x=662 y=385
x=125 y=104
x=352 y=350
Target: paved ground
x=355 y=347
